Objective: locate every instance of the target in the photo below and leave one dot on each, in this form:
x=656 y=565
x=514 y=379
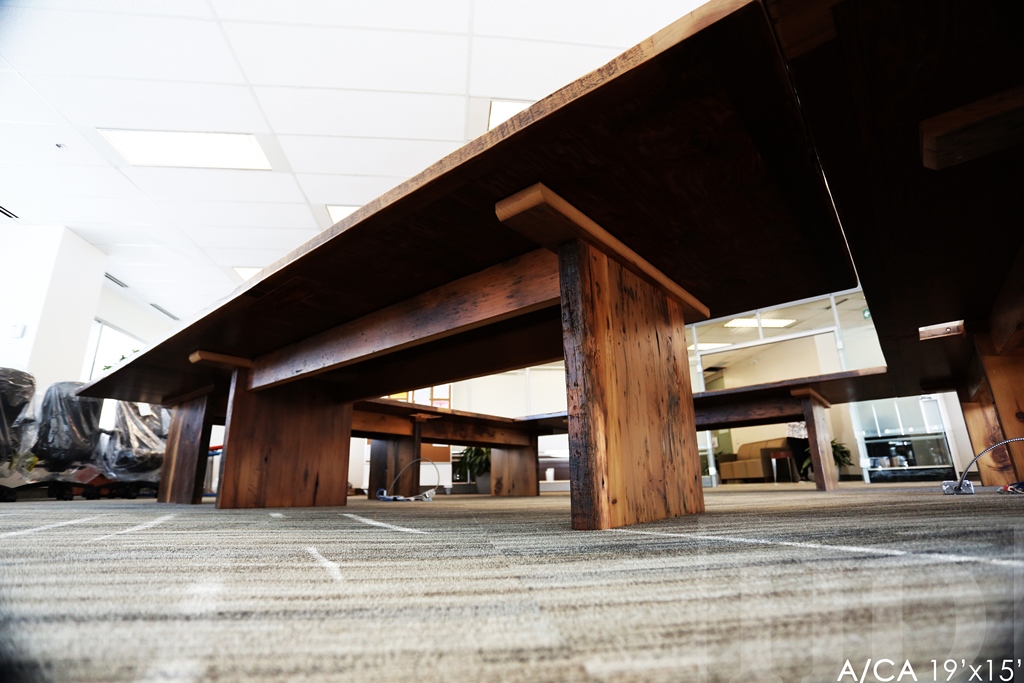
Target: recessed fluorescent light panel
x=503 y=110
x=188 y=150
x=765 y=322
x=246 y=272
x=339 y=212
x=706 y=346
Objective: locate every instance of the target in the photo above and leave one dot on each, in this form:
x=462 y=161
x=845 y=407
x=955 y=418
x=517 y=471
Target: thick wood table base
x=393 y=457
x=632 y=440
x=188 y=442
x=514 y=471
x=632 y=434
x=284 y=447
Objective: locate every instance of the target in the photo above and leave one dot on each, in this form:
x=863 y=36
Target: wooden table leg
x=514 y=471
x=1005 y=374
x=388 y=457
x=284 y=447
x=188 y=445
x=995 y=468
x=826 y=476
x=632 y=433
x=632 y=439
x=378 y=478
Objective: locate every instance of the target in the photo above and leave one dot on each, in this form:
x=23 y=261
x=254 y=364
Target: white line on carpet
x=842 y=548
x=47 y=526
x=141 y=527
x=201 y=597
x=372 y=522
x=276 y=515
x=174 y=671
x=333 y=568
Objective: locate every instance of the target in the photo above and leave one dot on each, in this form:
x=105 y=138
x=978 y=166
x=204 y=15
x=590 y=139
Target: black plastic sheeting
x=135 y=450
x=69 y=427
x=16 y=424
x=67 y=438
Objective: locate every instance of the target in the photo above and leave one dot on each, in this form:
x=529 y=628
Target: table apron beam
x=514 y=288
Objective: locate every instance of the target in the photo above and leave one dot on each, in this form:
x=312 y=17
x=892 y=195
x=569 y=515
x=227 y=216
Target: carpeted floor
x=767 y=585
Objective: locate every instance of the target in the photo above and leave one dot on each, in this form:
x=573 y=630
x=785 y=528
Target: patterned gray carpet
x=767 y=585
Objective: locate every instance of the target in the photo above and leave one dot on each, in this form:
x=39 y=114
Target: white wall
x=54 y=282
x=532 y=391
x=802 y=357
x=861 y=348
x=791 y=359
x=120 y=310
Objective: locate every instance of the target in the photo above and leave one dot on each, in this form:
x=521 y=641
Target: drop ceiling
x=346 y=98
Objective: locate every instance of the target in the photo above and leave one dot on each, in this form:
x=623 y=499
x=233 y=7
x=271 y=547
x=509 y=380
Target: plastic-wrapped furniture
x=16 y=391
x=135 y=449
x=69 y=427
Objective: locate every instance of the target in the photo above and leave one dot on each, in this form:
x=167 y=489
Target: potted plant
x=840 y=455
x=475 y=461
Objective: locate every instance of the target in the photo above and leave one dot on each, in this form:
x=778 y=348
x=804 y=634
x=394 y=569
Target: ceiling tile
x=179 y=8
x=415 y=15
x=611 y=23
x=71 y=181
x=153 y=254
x=152 y=105
x=31 y=144
x=529 y=70
x=68 y=211
x=362 y=156
x=239 y=214
x=345 y=190
x=138 y=274
x=20 y=102
x=121 y=233
x=215 y=184
x=101 y=44
x=361 y=113
x=257 y=238
x=252 y=258
x=350 y=58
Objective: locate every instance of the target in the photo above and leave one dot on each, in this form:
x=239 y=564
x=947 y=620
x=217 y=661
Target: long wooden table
x=582 y=228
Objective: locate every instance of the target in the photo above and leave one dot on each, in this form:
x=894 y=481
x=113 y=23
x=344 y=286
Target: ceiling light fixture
x=188 y=150
x=503 y=110
x=338 y=212
x=765 y=322
x=246 y=272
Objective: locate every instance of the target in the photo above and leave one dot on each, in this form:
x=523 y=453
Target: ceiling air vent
x=7 y=213
x=115 y=280
x=165 y=312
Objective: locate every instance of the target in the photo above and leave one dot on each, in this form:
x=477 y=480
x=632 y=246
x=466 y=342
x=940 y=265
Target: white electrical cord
x=382 y=494
x=960 y=484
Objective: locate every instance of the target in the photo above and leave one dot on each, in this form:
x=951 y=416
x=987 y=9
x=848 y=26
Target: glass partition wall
x=813 y=337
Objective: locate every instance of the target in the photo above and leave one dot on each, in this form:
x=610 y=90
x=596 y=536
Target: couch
x=752 y=461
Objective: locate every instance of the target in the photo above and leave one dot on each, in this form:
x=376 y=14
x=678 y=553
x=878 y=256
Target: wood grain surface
x=995 y=467
x=632 y=439
x=188 y=443
x=826 y=476
x=519 y=286
x=285 y=447
x=514 y=471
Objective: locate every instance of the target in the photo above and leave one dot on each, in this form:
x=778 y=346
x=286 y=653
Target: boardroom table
x=675 y=183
